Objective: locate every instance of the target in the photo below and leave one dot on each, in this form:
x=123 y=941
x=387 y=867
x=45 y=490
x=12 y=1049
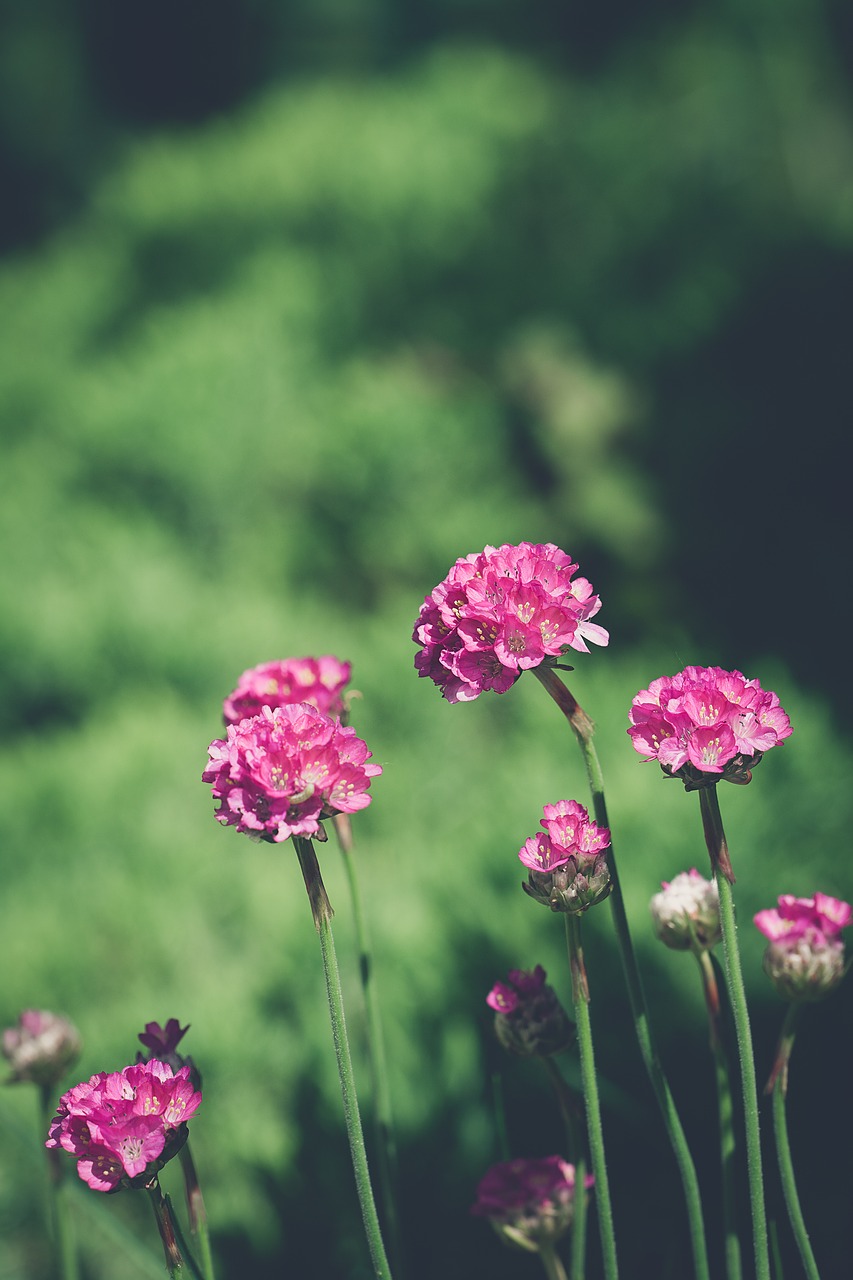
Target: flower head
x=705 y=724
x=318 y=681
x=500 y=612
x=279 y=773
x=162 y=1044
x=530 y=1202
x=529 y=1019
x=41 y=1047
x=805 y=954
x=123 y=1126
x=686 y=912
x=567 y=863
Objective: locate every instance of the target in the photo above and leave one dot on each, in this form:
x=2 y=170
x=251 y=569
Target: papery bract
x=318 y=681
x=500 y=613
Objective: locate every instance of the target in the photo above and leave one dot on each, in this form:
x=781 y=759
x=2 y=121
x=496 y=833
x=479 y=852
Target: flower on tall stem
x=567 y=863
x=686 y=912
x=529 y=1202
x=318 y=681
x=529 y=1019
x=500 y=613
x=805 y=953
x=40 y=1048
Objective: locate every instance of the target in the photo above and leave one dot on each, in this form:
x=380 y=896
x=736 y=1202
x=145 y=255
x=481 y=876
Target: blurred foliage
x=280 y=372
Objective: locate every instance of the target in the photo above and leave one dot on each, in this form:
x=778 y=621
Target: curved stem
x=386 y=1147
x=783 y=1154
x=713 y=826
x=580 y=992
x=166 y=1227
x=582 y=728
x=61 y=1223
x=725 y=1115
x=577 y=1155
x=322 y=911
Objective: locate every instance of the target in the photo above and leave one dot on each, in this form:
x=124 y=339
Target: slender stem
x=580 y=993
x=725 y=1114
x=583 y=727
x=713 y=826
x=166 y=1227
x=196 y=1210
x=500 y=1115
x=322 y=912
x=61 y=1222
x=783 y=1153
x=554 y=1268
x=386 y=1146
x=576 y=1154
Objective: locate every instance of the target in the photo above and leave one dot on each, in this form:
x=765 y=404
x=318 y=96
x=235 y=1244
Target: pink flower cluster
x=567 y=864
x=318 y=681
x=41 y=1047
x=797 y=917
x=500 y=612
x=531 y=1201
x=123 y=1126
x=805 y=955
x=279 y=773
x=529 y=1019
x=706 y=723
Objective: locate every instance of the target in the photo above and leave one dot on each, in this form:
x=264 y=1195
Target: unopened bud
x=686 y=912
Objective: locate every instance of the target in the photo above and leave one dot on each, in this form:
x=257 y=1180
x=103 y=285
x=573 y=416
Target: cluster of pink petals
x=531 y=1201
x=804 y=958
x=523 y=984
x=795 y=918
x=570 y=836
x=705 y=723
x=529 y=1019
x=279 y=773
x=122 y=1126
x=318 y=681
x=500 y=612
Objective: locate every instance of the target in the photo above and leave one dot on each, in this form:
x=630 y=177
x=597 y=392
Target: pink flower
x=318 y=681
x=567 y=864
x=123 y=1126
x=501 y=612
x=281 y=772
x=530 y=1202
x=794 y=917
x=41 y=1047
x=705 y=724
x=529 y=1019
x=805 y=955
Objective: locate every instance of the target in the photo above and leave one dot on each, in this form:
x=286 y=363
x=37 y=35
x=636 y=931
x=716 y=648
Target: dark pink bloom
x=567 y=864
x=706 y=724
x=805 y=955
x=529 y=1019
x=501 y=612
x=794 y=917
x=529 y=1201
x=41 y=1047
x=318 y=681
x=281 y=772
x=163 y=1041
x=123 y=1126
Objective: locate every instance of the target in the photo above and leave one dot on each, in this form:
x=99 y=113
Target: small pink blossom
x=804 y=958
x=706 y=724
x=529 y=1019
x=501 y=612
x=531 y=1202
x=794 y=917
x=567 y=864
x=123 y=1126
x=318 y=681
x=279 y=773
x=41 y=1048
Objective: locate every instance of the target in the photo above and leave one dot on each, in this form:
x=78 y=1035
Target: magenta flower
x=531 y=1202
x=567 y=864
x=123 y=1126
x=529 y=1019
x=805 y=954
x=499 y=613
x=686 y=912
x=41 y=1047
x=318 y=681
x=705 y=724
x=281 y=772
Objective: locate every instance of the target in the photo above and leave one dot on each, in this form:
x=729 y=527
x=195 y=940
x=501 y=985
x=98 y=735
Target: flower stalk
x=196 y=1211
x=778 y=1085
x=61 y=1224
x=166 y=1227
x=576 y=1153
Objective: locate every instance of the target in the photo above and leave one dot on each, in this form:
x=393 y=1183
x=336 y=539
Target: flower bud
x=567 y=863
x=529 y=1019
x=573 y=887
x=41 y=1047
x=530 y=1203
x=686 y=912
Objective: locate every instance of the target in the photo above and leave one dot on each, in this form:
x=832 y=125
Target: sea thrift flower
x=567 y=864
x=41 y=1047
x=500 y=612
x=279 y=773
x=162 y=1044
x=706 y=724
x=805 y=956
x=318 y=681
x=686 y=913
x=529 y=1019
x=529 y=1202
x=123 y=1126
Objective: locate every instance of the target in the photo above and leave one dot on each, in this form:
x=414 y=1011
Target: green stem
x=715 y=836
x=196 y=1210
x=575 y=1153
x=725 y=1114
x=386 y=1147
x=61 y=1222
x=583 y=728
x=322 y=912
x=580 y=994
x=783 y=1149
x=554 y=1268
x=166 y=1227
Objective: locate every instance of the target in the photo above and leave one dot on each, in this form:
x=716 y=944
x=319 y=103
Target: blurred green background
x=299 y=304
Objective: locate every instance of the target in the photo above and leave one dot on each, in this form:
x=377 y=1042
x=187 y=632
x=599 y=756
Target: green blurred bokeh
x=265 y=375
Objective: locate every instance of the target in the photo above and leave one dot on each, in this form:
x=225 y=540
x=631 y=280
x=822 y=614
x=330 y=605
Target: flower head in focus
x=529 y=1019
x=501 y=612
x=567 y=863
x=686 y=912
x=805 y=954
x=41 y=1048
x=318 y=681
x=123 y=1126
x=530 y=1202
x=706 y=724
x=279 y=773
